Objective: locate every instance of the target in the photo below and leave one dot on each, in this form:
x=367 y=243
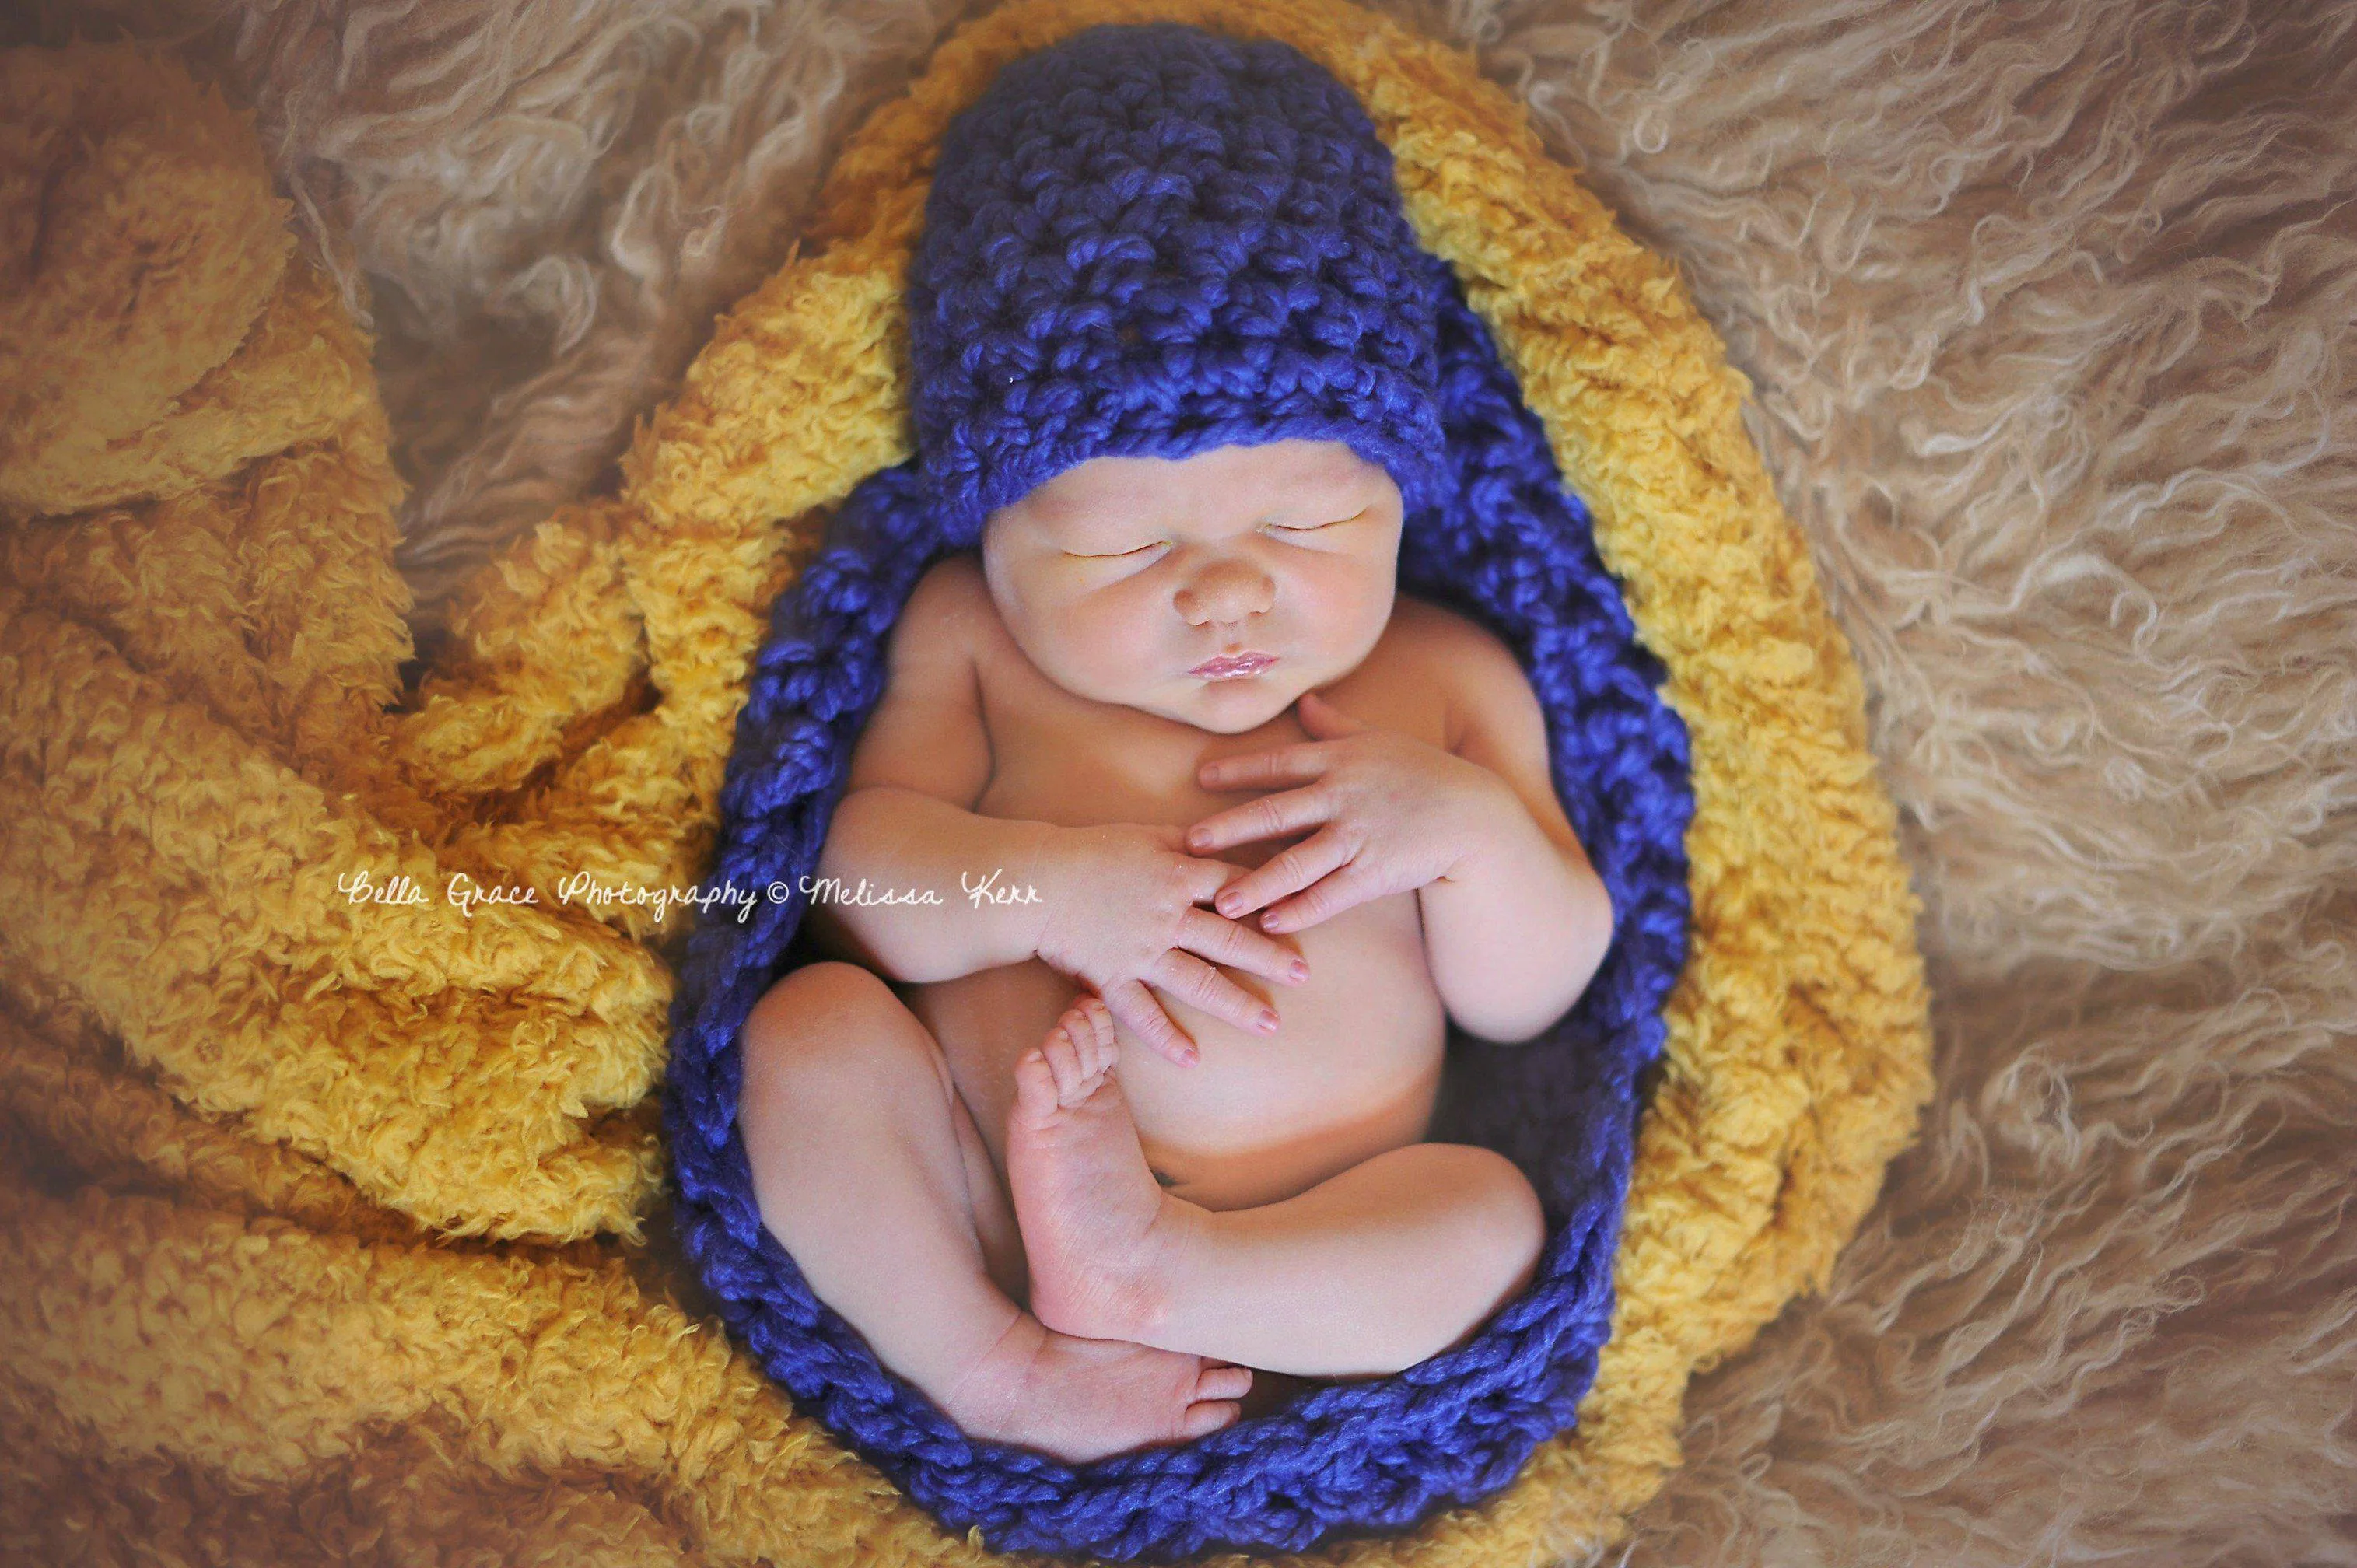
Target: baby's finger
x=1136 y=1007
x=1185 y=975
x=1285 y=872
x=1271 y=816
x=1346 y=888
x=1206 y=878
x=1241 y=947
x=1282 y=764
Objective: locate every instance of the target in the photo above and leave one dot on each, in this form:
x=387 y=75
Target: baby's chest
x=1063 y=759
x=1072 y=780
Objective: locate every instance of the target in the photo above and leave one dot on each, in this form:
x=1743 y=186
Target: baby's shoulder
x=1432 y=642
x=951 y=587
x=1467 y=668
x=949 y=615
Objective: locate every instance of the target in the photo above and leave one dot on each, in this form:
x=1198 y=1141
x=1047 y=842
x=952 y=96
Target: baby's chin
x=1224 y=707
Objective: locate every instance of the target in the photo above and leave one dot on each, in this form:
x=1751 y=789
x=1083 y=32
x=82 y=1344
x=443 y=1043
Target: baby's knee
x=830 y=1027
x=1493 y=1232
x=1504 y=1223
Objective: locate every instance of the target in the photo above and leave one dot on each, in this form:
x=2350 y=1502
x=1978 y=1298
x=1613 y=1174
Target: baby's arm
x=906 y=822
x=1514 y=936
x=1115 y=904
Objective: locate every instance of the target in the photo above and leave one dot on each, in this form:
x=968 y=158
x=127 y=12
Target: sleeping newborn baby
x=1187 y=1138
x=1184 y=834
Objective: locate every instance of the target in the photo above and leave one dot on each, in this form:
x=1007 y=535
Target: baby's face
x=1123 y=579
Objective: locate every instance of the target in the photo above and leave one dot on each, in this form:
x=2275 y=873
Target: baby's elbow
x=1502 y=1028
x=1595 y=939
x=1592 y=933
x=1603 y=926
x=1591 y=938
x=1495 y=1034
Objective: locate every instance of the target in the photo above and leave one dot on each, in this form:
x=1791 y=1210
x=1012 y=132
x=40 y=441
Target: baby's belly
x=1354 y=1068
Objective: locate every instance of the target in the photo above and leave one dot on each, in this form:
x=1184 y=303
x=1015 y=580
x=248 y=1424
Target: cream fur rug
x=2048 y=307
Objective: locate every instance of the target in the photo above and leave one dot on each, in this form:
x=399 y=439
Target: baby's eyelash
x=1280 y=527
x=1314 y=527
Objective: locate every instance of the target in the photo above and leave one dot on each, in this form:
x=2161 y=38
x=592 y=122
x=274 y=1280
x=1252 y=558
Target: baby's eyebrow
x=1070 y=510
x=1084 y=525
x=1064 y=516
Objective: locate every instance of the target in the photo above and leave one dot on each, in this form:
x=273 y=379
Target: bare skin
x=1091 y=1156
x=1391 y=1261
x=1386 y=1263
x=832 y=1035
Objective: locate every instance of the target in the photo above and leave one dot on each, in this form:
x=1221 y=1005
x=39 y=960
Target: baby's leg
x=1399 y=1258
x=848 y=1115
x=1373 y=1270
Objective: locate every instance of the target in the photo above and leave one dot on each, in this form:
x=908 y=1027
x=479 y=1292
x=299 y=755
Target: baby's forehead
x=1276 y=474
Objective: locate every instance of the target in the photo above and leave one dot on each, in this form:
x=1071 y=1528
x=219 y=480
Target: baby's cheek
x=1119 y=638
x=1346 y=600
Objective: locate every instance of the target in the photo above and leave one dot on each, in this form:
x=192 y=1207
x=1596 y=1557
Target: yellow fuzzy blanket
x=327 y=1051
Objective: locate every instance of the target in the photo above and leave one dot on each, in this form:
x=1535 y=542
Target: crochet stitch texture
x=1186 y=271
x=1152 y=241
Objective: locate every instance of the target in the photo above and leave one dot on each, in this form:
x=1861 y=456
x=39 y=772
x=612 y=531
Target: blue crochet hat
x=1152 y=241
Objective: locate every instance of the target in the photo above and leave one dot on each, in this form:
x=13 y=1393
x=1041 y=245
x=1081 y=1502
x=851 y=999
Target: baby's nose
x=1225 y=591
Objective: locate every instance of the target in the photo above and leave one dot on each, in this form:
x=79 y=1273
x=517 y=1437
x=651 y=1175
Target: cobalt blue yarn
x=1149 y=242
x=1493 y=533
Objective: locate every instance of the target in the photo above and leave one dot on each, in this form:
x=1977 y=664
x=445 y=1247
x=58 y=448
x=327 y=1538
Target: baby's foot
x=1098 y=1229
x=1084 y=1399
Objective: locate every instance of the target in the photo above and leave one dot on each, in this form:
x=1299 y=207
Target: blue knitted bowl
x=1511 y=549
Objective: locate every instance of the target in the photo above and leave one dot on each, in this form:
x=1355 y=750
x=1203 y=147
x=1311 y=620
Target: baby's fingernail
x=1231 y=902
x=1299 y=971
x=1189 y=1058
x=1268 y=1023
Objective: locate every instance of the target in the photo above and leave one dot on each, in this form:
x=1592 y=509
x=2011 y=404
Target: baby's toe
x=1072 y=1074
x=1220 y=1383
x=1202 y=1420
x=1089 y=1052
x=1101 y=1029
x=1085 y=1042
x=1035 y=1095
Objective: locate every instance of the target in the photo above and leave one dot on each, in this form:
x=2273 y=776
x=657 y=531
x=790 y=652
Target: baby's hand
x=1121 y=910
x=1399 y=814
